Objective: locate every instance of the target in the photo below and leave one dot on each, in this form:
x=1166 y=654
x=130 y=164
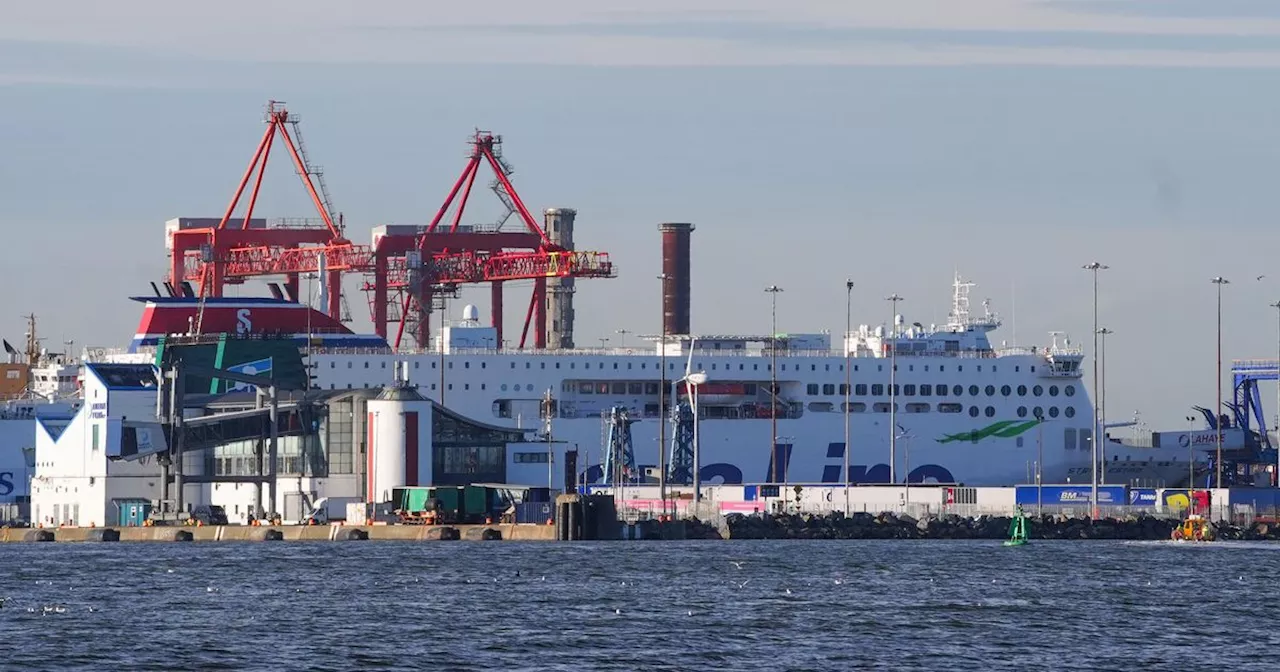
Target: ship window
x=989 y=411
x=466 y=365
x=466 y=386
x=1038 y=412
x=1016 y=369
x=1022 y=411
x=940 y=390
x=973 y=390
x=979 y=367
x=526 y=365
x=1005 y=390
x=635 y=388
x=1053 y=411
x=941 y=368
x=828 y=389
x=1053 y=390
x=451 y=365
x=973 y=411
x=949 y=408
x=450 y=386
x=529 y=387
x=1070 y=411
x=513 y=364
x=813 y=367
x=348 y=365
x=628 y=366
x=1037 y=390
x=926 y=389
x=349 y=386
x=911 y=367
x=860 y=389
x=619 y=388
x=1069 y=390
x=504 y=387
x=587 y=388
x=331 y=386
x=615 y=366
x=602 y=388
x=542 y=365
x=895 y=390
x=1069 y=438
x=755 y=367
x=821 y=406
x=881 y=407
x=651 y=388
x=1033 y=369
x=384 y=365
x=415 y=365
x=909 y=390
x=557 y=365
x=366 y=365
x=334 y=365
x=856 y=407
x=1022 y=390
x=366 y=385
x=877 y=390
x=990 y=390
x=812 y=389
x=917 y=408
x=960 y=368
x=829 y=367
x=843 y=389
x=482 y=365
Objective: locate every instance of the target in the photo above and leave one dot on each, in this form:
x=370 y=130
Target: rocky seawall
x=891 y=526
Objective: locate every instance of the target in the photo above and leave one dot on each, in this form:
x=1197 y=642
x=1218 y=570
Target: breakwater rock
x=891 y=526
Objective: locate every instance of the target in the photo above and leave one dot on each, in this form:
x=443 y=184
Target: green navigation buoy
x=1017 y=530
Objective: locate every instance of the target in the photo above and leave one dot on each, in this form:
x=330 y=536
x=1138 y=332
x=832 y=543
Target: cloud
x=658 y=33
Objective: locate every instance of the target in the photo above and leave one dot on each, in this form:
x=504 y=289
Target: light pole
x=1276 y=305
x=893 y=390
x=1093 y=490
x=1102 y=403
x=773 y=385
x=1217 y=406
x=622 y=341
x=902 y=433
x=604 y=343
x=1039 y=466
x=848 y=379
x=1191 y=463
x=662 y=400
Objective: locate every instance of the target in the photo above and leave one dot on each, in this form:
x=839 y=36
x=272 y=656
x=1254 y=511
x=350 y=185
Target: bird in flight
x=1261 y=277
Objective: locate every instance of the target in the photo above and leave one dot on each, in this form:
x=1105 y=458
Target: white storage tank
x=399 y=447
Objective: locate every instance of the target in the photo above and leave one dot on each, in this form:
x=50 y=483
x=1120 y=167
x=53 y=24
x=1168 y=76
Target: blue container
x=133 y=513
x=538 y=495
x=1071 y=495
x=535 y=513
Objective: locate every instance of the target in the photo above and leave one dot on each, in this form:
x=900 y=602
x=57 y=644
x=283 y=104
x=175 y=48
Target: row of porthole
x=516 y=387
x=1036 y=412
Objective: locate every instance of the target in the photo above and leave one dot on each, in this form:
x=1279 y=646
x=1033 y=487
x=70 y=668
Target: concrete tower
x=559 y=227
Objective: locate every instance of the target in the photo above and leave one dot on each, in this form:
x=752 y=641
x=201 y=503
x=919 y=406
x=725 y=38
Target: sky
x=890 y=143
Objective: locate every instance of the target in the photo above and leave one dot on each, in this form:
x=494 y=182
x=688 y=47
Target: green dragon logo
x=1005 y=429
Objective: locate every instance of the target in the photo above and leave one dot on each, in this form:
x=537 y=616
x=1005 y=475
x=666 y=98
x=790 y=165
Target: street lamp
x=773 y=386
x=1276 y=305
x=622 y=341
x=848 y=379
x=603 y=342
x=1217 y=406
x=903 y=433
x=1093 y=497
x=1191 y=463
x=893 y=391
x=662 y=400
x=1102 y=402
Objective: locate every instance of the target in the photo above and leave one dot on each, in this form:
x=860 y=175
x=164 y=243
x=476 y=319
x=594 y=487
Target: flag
x=9 y=348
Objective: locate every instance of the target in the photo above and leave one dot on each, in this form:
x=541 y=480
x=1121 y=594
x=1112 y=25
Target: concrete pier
x=507 y=532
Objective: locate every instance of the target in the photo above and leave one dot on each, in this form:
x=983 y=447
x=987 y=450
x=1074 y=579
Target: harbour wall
x=230 y=533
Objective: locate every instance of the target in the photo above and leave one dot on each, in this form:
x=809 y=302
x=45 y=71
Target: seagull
x=736 y=563
x=617 y=611
x=690 y=613
x=544 y=577
x=1261 y=277
x=788 y=591
x=743 y=584
x=839 y=582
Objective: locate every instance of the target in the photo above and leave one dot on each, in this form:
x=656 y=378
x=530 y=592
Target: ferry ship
x=963 y=411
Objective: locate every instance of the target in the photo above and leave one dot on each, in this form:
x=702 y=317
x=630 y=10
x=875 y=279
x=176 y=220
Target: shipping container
x=1059 y=495
x=536 y=513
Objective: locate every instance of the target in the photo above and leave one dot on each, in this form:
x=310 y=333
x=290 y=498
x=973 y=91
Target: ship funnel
x=676 y=299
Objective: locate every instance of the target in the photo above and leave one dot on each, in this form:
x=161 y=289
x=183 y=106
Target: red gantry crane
x=232 y=251
x=431 y=263
x=416 y=266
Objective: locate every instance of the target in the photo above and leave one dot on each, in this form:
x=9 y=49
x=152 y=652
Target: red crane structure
x=407 y=270
x=411 y=270
x=230 y=251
